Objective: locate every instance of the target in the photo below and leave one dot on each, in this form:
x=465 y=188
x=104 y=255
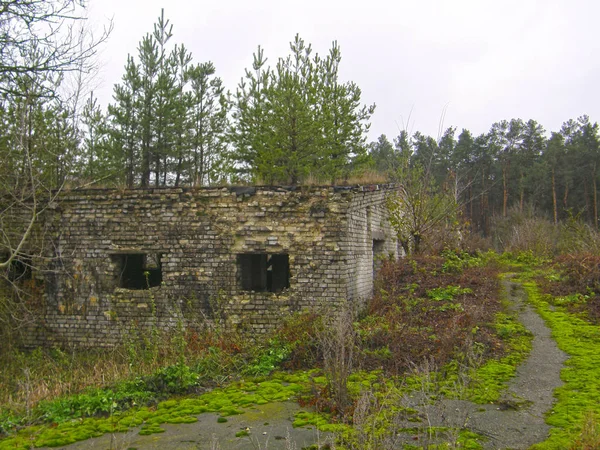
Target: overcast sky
x=481 y=61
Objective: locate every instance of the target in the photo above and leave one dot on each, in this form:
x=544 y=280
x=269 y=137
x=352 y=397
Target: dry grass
x=27 y=378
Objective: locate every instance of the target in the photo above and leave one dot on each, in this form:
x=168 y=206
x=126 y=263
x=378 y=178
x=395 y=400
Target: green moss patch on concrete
x=580 y=394
x=227 y=401
x=491 y=379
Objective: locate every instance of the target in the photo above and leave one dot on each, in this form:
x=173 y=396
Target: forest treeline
x=517 y=164
x=171 y=122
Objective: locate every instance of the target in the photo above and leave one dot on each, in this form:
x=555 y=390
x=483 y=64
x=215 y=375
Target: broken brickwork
x=248 y=256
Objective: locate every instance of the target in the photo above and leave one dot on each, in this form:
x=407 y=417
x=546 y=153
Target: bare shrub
x=577 y=236
x=529 y=231
x=474 y=242
x=525 y=230
x=338 y=343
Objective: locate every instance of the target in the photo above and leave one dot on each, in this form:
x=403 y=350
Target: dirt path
x=517 y=421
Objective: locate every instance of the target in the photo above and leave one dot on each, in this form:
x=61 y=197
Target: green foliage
x=456 y=262
x=269 y=358
x=447 y=293
x=227 y=401
x=174 y=379
x=297 y=119
x=526 y=259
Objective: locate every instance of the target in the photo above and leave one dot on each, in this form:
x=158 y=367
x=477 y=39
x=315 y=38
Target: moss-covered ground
x=580 y=395
x=226 y=402
x=446 y=311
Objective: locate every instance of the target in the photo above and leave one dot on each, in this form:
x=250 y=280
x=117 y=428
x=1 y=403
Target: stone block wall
x=197 y=247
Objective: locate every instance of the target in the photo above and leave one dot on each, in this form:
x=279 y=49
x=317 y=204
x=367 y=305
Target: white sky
x=483 y=60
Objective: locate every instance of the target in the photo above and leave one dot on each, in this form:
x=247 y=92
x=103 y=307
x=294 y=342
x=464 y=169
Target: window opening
x=138 y=270
x=262 y=272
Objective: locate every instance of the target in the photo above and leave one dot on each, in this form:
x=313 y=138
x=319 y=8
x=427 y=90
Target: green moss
x=580 y=393
x=321 y=421
x=151 y=429
x=221 y=420
x=227 y=402
x=491 y=378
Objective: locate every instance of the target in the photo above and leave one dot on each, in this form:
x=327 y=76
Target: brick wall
x=201 y=239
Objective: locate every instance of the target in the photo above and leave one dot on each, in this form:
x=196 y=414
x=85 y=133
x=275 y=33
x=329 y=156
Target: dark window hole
x=138 y=270
x=262 y=272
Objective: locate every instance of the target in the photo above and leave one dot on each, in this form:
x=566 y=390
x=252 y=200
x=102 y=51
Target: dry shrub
x=301 y=331
x=474 y=242
x=581 y=271
x=525 y=231
x=405 y=324
x=338 y=344
x=589 y=438
x=578 y=237
x=368 y=177
x=528 y=231
x=441 y=237
x=579 y=274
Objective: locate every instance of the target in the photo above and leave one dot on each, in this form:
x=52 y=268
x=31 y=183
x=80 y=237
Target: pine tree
x=169 y=118
x=125 y=126
x=208 y=125
x=297 y=119
x=97 y=160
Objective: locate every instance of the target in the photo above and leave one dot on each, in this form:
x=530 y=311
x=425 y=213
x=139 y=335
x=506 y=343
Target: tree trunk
x=554 y=206
x=505 y=170
x=586 y=196
x=595 y=197
x=416 y=243
x=522 y=194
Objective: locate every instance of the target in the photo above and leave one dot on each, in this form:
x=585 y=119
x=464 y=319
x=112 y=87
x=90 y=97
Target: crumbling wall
x=130 y=260
x=369 y=239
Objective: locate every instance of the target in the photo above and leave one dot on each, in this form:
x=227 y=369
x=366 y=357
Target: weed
x=589 y=437
x=268 y=358
x=338 y=344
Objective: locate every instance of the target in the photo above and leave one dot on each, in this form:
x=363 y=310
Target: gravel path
x=517 y=420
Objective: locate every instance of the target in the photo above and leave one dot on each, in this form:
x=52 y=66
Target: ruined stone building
x=247 y=256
